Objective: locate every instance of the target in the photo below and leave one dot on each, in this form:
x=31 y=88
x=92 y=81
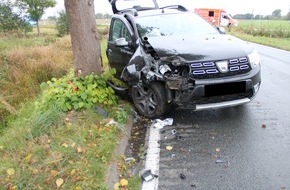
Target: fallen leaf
x=73 y=172
x=35 y=171
x=67 y=119
x=73 y=145
x=124 y=182
x=64 y=145
x=28 y=158
x=53 y=173
x=80 y=150
x=59 y=182
x=117 y=186
x=10 y=171
x=169 y=147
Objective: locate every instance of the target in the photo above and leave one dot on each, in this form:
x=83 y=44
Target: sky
x=231 y=6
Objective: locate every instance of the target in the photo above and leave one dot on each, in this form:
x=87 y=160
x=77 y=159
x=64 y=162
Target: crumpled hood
x=200 y=48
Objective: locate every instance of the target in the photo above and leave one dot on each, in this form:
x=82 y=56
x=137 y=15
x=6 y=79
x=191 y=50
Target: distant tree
x=268 y=17
x=35 y=8
x=243 y=16
x=11 y=20
x=99 y=16
x=276 y=13
x=249 y=16
x=288 y=16
x=62 y=24
x=257 y=17
x=107 y=16
x=53 y=18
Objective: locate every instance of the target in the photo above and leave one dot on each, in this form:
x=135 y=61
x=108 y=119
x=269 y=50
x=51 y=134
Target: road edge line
x=152 y=159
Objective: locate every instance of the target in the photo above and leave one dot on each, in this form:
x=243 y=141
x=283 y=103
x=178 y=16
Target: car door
x=120 y=55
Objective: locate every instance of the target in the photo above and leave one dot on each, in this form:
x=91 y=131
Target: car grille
x=209 y=69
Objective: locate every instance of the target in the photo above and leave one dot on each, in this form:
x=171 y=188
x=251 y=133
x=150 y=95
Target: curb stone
x=112 y=175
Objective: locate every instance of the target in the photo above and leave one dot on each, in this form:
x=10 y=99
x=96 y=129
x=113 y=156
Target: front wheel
x=150 y=100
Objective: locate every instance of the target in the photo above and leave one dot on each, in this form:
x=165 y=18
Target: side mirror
x=221 y=30
x=121 y=42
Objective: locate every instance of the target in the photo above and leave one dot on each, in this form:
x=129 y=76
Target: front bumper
x=221 y=92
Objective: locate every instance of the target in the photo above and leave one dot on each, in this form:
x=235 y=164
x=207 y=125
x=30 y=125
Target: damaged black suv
x=169 y=55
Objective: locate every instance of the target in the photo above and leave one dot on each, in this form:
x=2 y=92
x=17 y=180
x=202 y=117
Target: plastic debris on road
x=159 y=124
x=147 y=176
x=182 y=176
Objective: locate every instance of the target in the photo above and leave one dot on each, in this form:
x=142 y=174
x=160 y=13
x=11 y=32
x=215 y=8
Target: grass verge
x=50 y=148
x=53 y=150
x=280 y=43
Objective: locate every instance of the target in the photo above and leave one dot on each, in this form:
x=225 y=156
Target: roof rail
x=178 y=7
x=131 y=11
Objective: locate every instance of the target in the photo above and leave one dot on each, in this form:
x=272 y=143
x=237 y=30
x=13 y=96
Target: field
x=275 y=33
x=267 y=28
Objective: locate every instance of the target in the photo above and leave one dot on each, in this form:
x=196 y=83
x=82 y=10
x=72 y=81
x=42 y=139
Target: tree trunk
x=37 y=26
x=84 y=36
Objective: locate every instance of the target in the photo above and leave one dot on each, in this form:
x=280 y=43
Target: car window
x=119 y=30
x=173 y=24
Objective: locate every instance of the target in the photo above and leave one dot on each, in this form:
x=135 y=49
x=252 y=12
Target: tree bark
x=84 y=37
x=37 y=26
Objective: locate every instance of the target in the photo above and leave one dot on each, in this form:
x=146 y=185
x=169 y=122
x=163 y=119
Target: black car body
x=169 y=56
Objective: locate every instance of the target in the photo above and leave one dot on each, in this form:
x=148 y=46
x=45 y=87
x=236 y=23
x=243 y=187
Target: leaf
x=72 y=172
x=117 y=186
x=124 y=182
x=81 y=104
x=35 y=171
x=80 y=150
x=169 y=147
x=64 y=145
x=84 y=96
x=59 y=182
x=53 y=173
x=28 y=158
x=10 y=171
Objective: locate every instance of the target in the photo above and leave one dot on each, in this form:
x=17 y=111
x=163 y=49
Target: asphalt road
x=245 y=147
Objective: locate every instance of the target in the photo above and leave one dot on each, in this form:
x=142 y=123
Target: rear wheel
x=150 y=100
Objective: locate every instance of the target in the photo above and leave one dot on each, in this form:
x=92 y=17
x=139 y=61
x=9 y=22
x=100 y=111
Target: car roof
x=143 y=11
x=136 y=10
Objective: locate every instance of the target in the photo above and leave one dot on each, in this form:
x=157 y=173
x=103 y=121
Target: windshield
x=173 y=24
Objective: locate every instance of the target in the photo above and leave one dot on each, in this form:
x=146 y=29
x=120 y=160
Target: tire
x=150 y=100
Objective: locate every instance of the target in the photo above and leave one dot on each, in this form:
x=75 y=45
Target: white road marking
x=152 y=159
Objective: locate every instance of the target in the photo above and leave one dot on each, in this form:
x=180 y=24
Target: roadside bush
x=75 y=93
x=23 y=70
x=62 y=24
